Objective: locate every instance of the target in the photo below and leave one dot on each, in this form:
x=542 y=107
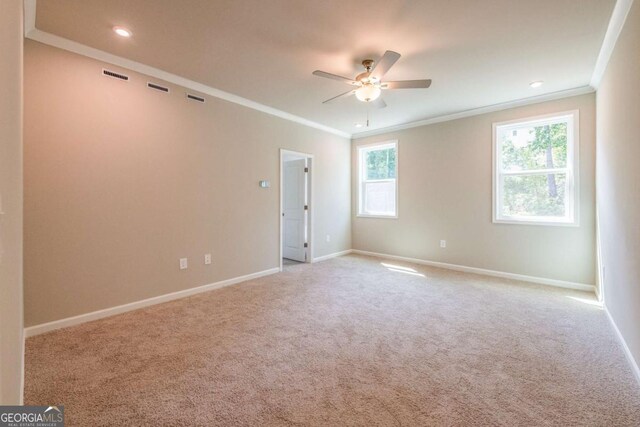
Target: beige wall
x=445 y=192
x=121 y=181
x=618 y=181
x=11 y=367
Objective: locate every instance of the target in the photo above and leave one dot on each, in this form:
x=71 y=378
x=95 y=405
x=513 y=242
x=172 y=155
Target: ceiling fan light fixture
x=368 y=86
x=368 y=93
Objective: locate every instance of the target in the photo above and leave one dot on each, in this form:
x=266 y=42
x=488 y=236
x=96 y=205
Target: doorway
x=295 y=207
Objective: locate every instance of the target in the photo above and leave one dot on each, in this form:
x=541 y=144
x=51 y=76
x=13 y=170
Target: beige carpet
x=347 y=341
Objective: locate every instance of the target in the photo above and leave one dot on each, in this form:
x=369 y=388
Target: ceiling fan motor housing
x=368 y=65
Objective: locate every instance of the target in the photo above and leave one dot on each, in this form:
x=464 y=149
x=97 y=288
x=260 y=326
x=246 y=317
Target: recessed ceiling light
x=358 y=125
x=536 y=84
x=122 y=32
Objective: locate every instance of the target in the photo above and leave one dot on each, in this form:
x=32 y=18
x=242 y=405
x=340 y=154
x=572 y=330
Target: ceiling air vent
x=195 y=97
x=157 y=87
x=115 y=75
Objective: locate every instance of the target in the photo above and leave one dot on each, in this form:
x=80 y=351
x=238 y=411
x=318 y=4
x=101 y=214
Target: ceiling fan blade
x=334 y=77
x=342 y=95
x=384 y=64
x=407 y=84
x=379 y=103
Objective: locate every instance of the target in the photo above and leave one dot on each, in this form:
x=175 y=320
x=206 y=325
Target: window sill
x=536 y=222
x=377 y=216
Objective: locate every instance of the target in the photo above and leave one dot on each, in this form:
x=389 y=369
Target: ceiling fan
x=369 y=85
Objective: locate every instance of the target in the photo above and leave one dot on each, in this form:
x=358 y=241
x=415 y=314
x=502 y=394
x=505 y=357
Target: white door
x=294 y=213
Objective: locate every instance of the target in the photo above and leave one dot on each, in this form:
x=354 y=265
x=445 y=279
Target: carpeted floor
x=347 y=341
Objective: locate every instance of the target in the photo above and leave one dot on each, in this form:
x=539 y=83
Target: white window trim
x=573 y=174
x=361 y=170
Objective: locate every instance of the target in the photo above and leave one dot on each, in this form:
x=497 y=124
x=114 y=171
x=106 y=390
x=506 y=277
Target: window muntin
x=377 y=180
x=535 y=170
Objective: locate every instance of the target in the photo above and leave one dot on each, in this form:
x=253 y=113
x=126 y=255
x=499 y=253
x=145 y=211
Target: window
x=377 y=179
x=536 y=170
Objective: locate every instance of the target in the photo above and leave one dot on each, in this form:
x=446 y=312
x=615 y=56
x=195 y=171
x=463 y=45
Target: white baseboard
x=95 y=315
x=22 y=370
x=627 y=352
x=333 y=255
x=494 y=273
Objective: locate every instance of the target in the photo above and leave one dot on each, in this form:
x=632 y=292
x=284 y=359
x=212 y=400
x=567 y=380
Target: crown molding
x=29 y=16
x=32 y=33
x=616 y=23
x=478 y=111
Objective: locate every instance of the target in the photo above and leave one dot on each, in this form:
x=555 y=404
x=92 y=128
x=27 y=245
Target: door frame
x=310 y=165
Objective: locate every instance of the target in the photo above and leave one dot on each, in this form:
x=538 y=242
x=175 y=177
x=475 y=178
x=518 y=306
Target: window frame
x=572 y=170
x=361 y=170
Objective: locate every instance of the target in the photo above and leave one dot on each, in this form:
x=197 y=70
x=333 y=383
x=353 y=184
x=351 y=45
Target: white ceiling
x=478 y=52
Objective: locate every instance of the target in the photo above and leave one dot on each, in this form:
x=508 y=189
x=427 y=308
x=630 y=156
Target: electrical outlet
x=443 y=243
x=328 y=238
x=207 y=259
x=183 y=263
